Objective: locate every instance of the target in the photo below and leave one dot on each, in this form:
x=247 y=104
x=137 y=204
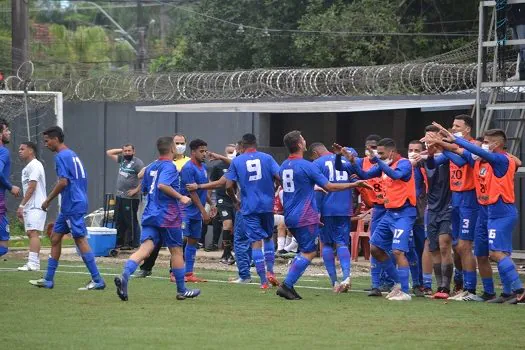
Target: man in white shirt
x=30 y=210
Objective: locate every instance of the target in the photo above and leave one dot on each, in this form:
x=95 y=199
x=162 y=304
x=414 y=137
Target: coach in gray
x=128 y=195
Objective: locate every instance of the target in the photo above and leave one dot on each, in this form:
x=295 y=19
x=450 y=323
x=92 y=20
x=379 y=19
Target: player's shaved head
x=372 y=140
x=249 y=141
x=496 y=133
x=317 y=149
x=164 y=145
x=387 y=143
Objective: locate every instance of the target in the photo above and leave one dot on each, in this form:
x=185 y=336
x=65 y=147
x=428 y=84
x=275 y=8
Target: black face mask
x=128 y=158
x=237 y=154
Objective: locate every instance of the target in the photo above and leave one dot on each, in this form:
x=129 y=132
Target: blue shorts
x=305 y=237
x=500 y=232
x=4 y=228
x=464 y=223
x=258 y=226
x=378 y=212
x=192 y=228
x=393 y=232
x=481 y=240
x=167 y=236
x=336 y=230
x=71 y=223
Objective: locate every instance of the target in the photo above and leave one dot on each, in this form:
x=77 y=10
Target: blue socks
x=52 y=265
x=258 y=259
x=403 y=273
x=179 y=279
x=458 y=276
x=297 y=268
x=389 y=269
x=508 y=274
x=329 y=262
x=89 y=260
x=189 y=255
x=470 y=281
x=3 y=250
x=375 y=273
x=129 y=268
x=344 y=259
x=427 y=280
x=413 y=262
x=269 y=254
x=488 y=285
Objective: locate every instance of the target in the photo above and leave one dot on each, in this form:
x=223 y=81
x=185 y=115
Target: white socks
x=33 y=259
x=280 y=243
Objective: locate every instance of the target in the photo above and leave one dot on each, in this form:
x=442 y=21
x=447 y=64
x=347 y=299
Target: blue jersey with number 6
x=299 y=177
x=254 y=172
x=334 y=203
x=74 y=198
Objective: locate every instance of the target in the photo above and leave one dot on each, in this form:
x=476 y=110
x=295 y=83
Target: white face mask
x=411 y=155
x=486 y=147
x=475 y=156
x=388 y=161
x=230 y=156
x=458 y=134
x=180 y=149
x=424 y=156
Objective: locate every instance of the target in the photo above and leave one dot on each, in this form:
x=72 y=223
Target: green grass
x=44 y=241
x=237 y=316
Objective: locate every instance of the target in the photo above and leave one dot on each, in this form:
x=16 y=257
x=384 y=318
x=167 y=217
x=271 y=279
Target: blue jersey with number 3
x=254 y=172
x=161 y=210
x=334 y=203
x=74 y=198
x=299 y=177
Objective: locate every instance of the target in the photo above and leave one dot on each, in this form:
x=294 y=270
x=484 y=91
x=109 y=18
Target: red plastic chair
x=361 y=235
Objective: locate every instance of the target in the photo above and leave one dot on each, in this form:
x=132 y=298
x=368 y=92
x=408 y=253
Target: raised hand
x=337 y=148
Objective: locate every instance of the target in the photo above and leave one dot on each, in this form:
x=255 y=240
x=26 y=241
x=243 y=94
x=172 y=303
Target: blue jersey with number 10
x=74 y=198
x=254 y=172
x=334 y=203
x=299 y=177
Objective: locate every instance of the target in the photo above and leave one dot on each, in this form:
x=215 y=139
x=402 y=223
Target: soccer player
x=439 y=218
x=496 y=181
x=5 y=184
x=464 y=208
x=194 y=214
x=30 y=209
x=393 y=232
x=72 y=188
x=336 y=210
x=255 y=173
x=299 y=178
x=161 y=221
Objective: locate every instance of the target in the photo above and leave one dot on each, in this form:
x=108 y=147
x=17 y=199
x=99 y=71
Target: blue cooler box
x=102 y=240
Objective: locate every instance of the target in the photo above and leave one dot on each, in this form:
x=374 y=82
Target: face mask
x=411 y=155
x=486 y=147
x=424 y=156
x=230 y=156
x=237 y=154
x=437 y=154
x=388 y=161
x=475 y=156
x=180 y=149
x=128 y=157
x=458 y=134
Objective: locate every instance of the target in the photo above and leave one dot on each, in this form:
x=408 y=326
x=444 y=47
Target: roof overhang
x=313 y=107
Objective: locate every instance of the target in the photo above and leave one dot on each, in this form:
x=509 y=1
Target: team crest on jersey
x=482 y=171
x=183 y=225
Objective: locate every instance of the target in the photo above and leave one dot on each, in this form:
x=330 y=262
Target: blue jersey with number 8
x=254 y=172
x=299 y=177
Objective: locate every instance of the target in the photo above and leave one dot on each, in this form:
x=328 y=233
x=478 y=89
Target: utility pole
x=141 y=50
x=19 y=33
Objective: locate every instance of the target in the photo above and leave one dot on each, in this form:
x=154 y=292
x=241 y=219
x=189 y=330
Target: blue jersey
x=192 y=173
x=5 y=184
x=254 y=172
x=161 y=210
x=299 y=177
x=74 y=198
x=334 y=203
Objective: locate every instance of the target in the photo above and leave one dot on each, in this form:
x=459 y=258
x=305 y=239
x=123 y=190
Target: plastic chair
x=361 y=235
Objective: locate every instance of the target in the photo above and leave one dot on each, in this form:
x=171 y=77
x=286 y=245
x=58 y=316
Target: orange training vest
x=375 y=196
x=489 y=187
x=397 y=192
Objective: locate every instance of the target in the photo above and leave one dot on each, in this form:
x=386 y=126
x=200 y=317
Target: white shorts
x=34 y=219
x=278 y=219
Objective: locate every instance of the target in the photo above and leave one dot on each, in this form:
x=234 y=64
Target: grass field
x=237 y=316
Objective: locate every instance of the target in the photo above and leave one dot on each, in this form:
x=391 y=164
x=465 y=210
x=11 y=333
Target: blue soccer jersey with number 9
x=254 y=172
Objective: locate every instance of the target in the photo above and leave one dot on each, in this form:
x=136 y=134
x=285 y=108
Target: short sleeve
x=61 y=168
x=34 y=172
x=315 y=174
x=275 y=167
x=139 y=164
x=168 y=175
x=231 y=174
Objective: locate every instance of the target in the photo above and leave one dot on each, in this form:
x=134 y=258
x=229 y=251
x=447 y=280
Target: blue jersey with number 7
x=74 y=198
x=254 y=172
x=299 y=177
